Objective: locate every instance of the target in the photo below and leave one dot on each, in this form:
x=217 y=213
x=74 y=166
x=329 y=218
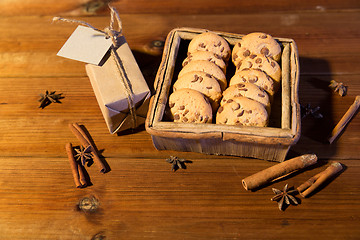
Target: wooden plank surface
x=326 y=47
x=140 y=198
x=98 y=7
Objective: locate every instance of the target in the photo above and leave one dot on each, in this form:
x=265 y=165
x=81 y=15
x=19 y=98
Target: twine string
x=110 y=32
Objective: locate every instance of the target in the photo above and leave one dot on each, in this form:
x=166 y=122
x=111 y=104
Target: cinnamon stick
x=279 y=170
x=345 y=119
x=81 y=175
x=314 y=182
x=85 y=142
x=77 y=172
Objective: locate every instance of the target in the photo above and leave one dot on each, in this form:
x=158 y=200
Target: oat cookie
x=208 y=67
x=211 y=42
x=256 y=43
x=209 y=56
x=202 y=82
x=257 y=77
x=242 y=111
x=266 y=64
x=248 y=90
x=187 y=105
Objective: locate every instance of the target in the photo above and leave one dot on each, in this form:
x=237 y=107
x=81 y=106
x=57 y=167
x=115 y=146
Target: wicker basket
x=269 y=143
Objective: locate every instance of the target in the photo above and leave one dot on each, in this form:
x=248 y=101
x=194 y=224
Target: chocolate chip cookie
x=248 y=90
x=190 y=106
x=211 y=42
x=208 y=56
x=207 y=67
x=257 y=77
x=256 y=43
x=242 y=111
x=202 y=82
x=266 y=64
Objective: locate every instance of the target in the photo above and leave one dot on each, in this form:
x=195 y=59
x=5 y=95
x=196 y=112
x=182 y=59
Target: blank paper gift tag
x=86 y=45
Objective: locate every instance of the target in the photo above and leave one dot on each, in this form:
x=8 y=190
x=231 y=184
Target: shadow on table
x=315 y=97
x=149 y=65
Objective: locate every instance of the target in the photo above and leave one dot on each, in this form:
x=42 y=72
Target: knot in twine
x=111 y=32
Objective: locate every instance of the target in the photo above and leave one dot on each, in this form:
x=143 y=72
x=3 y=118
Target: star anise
x=284 y=197
x=177 y=163
x=308 y=110
x=83 y=154
x=338 y=87
x=48 y=98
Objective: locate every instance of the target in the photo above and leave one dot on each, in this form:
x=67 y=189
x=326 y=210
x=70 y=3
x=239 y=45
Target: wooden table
x=140 y=198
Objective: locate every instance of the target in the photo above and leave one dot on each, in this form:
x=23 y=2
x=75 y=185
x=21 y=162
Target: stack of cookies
x=198 y=89
x=248 y=99
x=202 y=91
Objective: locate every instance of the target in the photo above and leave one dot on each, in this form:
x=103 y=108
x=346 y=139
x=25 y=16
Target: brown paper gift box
x=107 y=82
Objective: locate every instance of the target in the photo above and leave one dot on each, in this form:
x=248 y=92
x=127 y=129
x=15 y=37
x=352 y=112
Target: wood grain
x=140 y=198
x=90 y=7
x=322 y=48
x=197 y=203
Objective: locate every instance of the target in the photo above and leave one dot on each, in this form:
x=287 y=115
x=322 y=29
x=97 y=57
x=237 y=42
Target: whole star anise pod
x=338 y=87
x=83 y=154
x=308 y=110
x=177 y=163
x=284 y=197
x=48 y=98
